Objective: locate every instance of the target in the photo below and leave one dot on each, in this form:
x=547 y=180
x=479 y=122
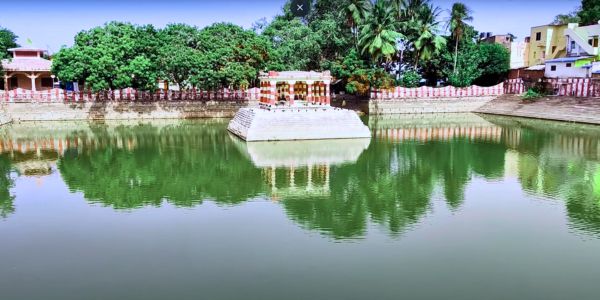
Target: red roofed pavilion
x=27 y=69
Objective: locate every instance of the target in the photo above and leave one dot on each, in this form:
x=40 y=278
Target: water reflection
x=558 y=161
x=338 y=187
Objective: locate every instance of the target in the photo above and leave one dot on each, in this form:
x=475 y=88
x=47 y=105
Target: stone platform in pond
x=297 y=123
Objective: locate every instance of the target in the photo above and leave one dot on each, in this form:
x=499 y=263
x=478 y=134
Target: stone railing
x=431 y=92
x=128 y=94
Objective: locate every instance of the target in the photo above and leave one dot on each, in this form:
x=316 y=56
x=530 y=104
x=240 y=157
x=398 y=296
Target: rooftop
x=298 y=75
x=34 y=64
x=27 y=49
x=567 y=59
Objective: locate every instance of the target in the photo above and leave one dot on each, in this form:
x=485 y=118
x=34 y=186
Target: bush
x=532 y=95
x=410 y=79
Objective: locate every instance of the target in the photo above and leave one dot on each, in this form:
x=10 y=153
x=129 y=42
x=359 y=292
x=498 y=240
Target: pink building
x=27 y=69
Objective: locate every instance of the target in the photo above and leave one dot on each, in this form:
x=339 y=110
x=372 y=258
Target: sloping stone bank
x=123 y=110
x=570 y=109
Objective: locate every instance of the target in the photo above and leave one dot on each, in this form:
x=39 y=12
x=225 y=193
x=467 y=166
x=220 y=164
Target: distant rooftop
x=297 y=75
x=27 y=64
x=27 y=49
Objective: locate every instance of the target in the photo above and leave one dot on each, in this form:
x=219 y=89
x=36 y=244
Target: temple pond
x=454 y=206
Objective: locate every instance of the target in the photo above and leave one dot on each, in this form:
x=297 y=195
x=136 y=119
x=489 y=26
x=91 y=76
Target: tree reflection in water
x=335 y=189
x=6 y=183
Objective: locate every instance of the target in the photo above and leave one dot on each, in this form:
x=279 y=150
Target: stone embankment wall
x=423 y=99
x=111 y=110
x=427 y=105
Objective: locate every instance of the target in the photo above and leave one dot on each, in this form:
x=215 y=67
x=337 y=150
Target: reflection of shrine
x=301 y=168
x=312 y=180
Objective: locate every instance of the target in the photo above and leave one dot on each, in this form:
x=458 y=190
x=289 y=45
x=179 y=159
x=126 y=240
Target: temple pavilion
x=27 y=69
x=295 y=88
x=295 y=105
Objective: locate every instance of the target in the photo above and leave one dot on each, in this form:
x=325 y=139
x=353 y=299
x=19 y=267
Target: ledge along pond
x=456 y=206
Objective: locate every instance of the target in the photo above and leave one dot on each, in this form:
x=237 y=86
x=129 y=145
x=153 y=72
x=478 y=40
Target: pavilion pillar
x=33 y=77
x=309 y=91
x=327 y=93
x=291 y=84
x=6 y=82
x=262 y=92
x=272 y=92
x=321 y=92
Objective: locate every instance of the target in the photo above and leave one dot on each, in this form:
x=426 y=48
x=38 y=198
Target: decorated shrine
x=295 y=105
x=295 y=88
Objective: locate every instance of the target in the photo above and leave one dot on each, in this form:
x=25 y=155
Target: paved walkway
x=582 y=110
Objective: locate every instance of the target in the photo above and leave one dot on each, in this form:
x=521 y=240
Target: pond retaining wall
x=427 y=105
x=111 y=110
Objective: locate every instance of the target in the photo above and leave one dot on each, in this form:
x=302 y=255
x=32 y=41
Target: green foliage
x=410 y=79
x=531 y=95
x=362 y=80
x=117 y=55
x=120 y=55
x=229 y=56
x=495 y=63
x=459 y=16
x=7 y=40
x=590 y=12
x=466 y=67
x=572 y=17
x=378 y=35
x=295 y=45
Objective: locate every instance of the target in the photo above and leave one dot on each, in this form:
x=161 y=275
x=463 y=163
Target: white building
x=518 y=54
x=569 y=67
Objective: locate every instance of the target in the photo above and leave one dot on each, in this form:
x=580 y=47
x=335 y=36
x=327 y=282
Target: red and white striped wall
x=444 y=92
x=571 y=87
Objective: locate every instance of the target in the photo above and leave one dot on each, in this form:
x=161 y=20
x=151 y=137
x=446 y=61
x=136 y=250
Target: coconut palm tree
x=427 y=41
x=459 y=16
x=356 y=13
x=378 y=34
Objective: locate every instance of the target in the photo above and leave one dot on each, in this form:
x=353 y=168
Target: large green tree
x=427 y=40
x=116 y=55
x=590 y=12
x=379 y=35
x=230 y=56
x=295 y=45
x=459 y=16
x=495 y=63
x=356 y=12
x=7 y=40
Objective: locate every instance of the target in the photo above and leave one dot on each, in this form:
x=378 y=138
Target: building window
x=47 y=82
x=553 y=49
x=553 y=68
x=569 y=65
x=538 y=36
x=595 y=42
x=591 y=42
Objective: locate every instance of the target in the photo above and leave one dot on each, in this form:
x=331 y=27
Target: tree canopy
x=364 y=43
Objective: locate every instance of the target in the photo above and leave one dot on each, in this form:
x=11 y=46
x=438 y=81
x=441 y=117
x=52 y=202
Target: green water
x=432 y=207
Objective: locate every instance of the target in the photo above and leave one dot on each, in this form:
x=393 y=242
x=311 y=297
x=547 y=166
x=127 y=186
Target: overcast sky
x=52 y=23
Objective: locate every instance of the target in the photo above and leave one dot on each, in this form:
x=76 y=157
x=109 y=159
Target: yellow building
x=547 y=42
